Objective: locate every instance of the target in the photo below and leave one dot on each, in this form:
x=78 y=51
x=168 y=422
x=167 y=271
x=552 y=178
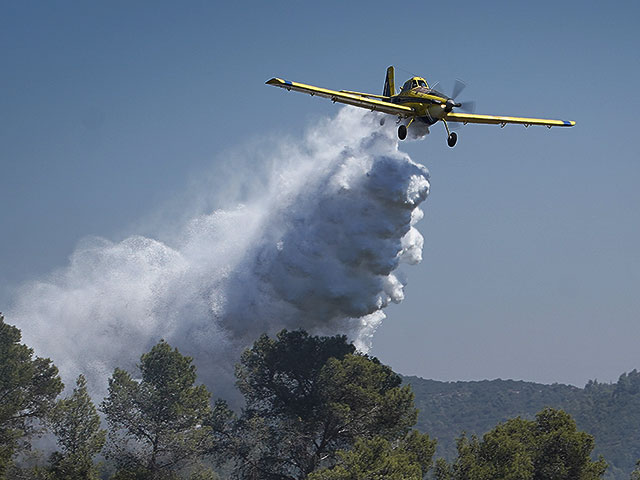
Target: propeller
x=458 y=87
x=449 y=104
x=468 y=106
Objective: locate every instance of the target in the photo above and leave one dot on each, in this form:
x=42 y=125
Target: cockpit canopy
x=413 y=83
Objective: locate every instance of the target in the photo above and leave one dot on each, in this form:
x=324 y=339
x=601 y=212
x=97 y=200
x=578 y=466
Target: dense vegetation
x=549 y=447
x=311 y=403
x=315 y=409
x=308 y=397
x=610 y=412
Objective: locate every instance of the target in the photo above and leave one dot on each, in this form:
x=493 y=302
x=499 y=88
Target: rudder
x=389 y=83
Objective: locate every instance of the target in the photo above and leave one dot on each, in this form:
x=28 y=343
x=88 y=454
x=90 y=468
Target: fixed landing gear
x=402 y=129
x=452 y=137
x=402 y=132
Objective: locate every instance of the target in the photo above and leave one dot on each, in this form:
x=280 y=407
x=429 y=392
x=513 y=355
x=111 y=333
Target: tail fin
x=389 y=83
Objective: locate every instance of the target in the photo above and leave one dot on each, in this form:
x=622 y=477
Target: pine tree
x=28 y=388
x=159 y=424
x=76 y=425
x=308 y=397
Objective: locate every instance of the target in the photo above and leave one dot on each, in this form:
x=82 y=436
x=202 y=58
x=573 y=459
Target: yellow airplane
x=416 y=102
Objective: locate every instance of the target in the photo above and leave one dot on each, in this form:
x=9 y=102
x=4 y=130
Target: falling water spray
x=316 y=248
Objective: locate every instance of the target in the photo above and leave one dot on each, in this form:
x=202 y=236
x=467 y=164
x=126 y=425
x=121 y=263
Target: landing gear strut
x=452 y=136
x=402 y=129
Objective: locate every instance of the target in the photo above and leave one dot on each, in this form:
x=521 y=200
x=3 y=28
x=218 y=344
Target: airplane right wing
x=500 y=120
x=354 y=99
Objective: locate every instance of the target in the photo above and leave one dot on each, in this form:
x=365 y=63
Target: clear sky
x=111 y=110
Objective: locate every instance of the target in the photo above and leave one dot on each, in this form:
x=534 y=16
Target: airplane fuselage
x=429 y=104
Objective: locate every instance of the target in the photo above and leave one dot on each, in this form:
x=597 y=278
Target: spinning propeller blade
x=458 y=87
x=468 y=107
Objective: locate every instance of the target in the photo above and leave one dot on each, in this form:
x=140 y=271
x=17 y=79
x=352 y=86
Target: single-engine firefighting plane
x=416 y=102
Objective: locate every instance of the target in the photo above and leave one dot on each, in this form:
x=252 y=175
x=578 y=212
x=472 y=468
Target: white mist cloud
x=316 y=248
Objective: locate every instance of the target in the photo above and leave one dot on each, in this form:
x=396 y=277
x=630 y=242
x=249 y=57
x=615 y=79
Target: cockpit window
x=413 y=83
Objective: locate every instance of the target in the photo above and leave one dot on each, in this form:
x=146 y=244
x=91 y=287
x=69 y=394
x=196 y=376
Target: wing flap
x=502 y=120
x=343 y=97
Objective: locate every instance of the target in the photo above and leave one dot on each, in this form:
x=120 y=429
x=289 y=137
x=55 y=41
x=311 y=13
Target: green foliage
x=306 y=398
x=158 y=424
x=141 y=473
x=547 y=448
x=15 y=472
x=562 y=451
x=361 y=397
x=222 y=430
x=317 y=409
x=30 y=467
x=378 y=458
x=442 y=470
x=281 y=376
x=28 y=388
x=201 y=472
x=76 y=425
x=194 y=472
x=609 y=412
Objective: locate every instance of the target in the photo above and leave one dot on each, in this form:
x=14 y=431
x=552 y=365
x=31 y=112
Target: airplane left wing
x=343 y=97
x=500 y=120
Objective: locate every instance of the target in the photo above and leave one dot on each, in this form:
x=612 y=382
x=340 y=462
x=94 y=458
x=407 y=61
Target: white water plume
x=315 y=249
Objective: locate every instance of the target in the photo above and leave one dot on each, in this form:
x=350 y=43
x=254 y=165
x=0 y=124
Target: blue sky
x=109 y=111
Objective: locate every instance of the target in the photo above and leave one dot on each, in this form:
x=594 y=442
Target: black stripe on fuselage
x=427 y=101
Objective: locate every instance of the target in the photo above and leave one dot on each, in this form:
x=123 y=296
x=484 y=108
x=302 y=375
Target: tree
x=501 y=454
x=76 y=425
x=442 y=470
x=28 y=388
x=308 y=397
x=635 y=475
x=562 y=451
x=378 y=458
x=158 y=424
x=547 y=448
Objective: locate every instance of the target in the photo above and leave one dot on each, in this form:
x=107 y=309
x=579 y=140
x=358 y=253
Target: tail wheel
x=402 y=132
x=451 y=140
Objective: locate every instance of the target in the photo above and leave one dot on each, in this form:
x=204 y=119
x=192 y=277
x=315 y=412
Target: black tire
x=402 y=132
x=453 y=138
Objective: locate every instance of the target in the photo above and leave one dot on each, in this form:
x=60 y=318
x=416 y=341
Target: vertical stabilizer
x=389 y=83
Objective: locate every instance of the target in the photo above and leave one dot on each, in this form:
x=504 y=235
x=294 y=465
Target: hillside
x=610 y=412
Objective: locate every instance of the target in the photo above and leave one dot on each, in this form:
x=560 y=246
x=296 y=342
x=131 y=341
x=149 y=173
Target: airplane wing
x=344 y=97
x=499 y=120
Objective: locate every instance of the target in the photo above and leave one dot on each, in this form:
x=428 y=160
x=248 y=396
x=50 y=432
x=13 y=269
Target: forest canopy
x=314 y=408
